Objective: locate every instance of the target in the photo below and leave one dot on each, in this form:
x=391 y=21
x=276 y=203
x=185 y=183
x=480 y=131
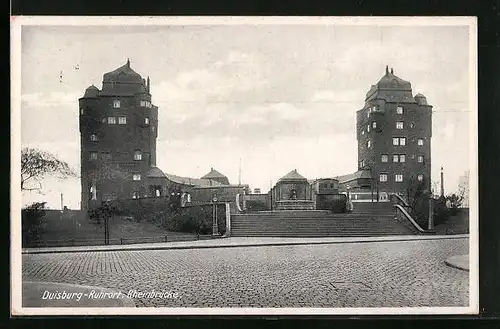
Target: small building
x=292 y=192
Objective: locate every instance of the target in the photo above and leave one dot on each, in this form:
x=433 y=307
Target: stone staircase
x=319 y=223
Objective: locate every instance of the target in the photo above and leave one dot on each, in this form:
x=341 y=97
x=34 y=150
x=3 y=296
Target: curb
x=455 y=262
x=245 y=245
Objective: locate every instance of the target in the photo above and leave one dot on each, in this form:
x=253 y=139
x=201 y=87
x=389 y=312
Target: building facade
x=394 y=131
x=118 y=132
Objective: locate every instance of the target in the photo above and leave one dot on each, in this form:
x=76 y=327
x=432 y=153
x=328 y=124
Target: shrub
x=256 y=205
x=32 y=222
x=196 y=219
x=441 y=212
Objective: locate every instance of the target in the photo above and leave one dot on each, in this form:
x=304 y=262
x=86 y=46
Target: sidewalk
x=460 y=262
x=232 y=242
x=48 y=294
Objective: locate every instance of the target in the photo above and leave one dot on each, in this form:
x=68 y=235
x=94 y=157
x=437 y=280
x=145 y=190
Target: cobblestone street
x=379 y=274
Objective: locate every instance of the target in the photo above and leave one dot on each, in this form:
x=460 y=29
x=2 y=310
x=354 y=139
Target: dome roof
x=91 y=92
x=217 y=176
x=155 y=172
x=214 y=174
x=421 y=99
x=293 y=175
x=123 y=73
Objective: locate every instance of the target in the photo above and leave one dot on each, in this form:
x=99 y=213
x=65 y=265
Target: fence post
x=165 y=238
x=121 y=240
x=198 y=236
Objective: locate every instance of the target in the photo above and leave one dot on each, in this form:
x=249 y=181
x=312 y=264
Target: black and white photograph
x=244 y=165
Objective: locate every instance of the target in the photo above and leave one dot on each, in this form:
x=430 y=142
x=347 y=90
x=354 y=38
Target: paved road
x=380 y=274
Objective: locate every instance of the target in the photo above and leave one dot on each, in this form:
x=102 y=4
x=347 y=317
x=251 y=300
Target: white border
x=16 y=258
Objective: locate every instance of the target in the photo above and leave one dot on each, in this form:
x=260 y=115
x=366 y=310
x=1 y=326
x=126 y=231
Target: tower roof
x=293 y=175
x=91 y=92
x=123 y=74
x=123 y=82
x=391 y=88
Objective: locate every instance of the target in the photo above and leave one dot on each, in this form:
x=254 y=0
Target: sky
x=278 y=97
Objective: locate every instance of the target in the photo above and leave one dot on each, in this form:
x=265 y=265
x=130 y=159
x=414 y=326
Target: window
x=135 y=195
x=368 y=114
x=420 y=177
x=412 y=125
x=93 y=155
x=420 y=159
x=93 y=138
x=399 y=125
x=157 y=192
x=122 y=120
x=82 y=111
x=116 y=103
x=420 y=142
x=111 y=120
x=401 y=141
x=146 y=121
x=103 y=120
x=362 y=132
x=399 y=178
x=385 y=157
x=146 y=104
x=399 y=110
x=368 y=128
x=374 y=124
x=137 y=155
x=368 y=144
x=374 y=108
x=383 y=177
x=398 y=158
x=136 y=177
x=361 y=163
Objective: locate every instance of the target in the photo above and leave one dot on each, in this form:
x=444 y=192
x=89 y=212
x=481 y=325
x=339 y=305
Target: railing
x=116 y=240
x=408 y=217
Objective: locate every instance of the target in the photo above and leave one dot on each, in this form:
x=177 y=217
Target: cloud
x=50 y=99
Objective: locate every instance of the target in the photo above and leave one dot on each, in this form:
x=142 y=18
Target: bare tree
x=36 y=164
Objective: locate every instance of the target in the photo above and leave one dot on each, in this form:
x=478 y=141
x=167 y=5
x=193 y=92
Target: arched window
x=293 y=194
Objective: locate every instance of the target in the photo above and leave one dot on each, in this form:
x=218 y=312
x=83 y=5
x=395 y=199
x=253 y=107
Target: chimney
x=128 y=62
x=148 y=83
x=392 y=70
x=387 y=69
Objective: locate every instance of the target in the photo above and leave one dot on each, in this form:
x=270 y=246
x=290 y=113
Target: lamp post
x=431 y=210
x=215 y=227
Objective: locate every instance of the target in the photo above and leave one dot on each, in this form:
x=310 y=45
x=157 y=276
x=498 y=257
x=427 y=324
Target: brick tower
x=118 y=131
x=394 y=131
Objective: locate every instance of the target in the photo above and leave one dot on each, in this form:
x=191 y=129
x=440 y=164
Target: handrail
x=400 y=199
x=238 y=206
x=408 y=216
